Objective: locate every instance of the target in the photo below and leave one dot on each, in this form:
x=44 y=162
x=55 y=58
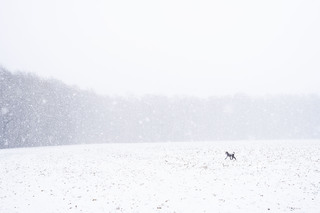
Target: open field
x=268 y=176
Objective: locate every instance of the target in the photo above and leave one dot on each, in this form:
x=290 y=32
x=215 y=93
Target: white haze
x=166 y=47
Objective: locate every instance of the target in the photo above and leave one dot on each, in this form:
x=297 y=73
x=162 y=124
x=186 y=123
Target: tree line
x=42 y=112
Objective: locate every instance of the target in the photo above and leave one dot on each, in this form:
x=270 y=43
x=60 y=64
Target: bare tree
x=3 y=136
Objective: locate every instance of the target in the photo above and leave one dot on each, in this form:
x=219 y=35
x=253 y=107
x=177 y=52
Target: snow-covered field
x=268 y=176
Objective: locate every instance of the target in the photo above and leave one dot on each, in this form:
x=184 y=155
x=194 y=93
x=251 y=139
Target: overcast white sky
x=166 y=47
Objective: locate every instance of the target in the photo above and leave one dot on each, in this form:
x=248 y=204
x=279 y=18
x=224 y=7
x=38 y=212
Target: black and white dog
x=231 y=156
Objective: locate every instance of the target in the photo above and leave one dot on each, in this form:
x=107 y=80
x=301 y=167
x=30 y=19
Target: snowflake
x=4 y=110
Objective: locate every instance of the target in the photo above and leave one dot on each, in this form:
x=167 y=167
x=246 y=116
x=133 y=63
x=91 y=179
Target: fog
x=194 y=48
x=39 y=112
x=99 y=71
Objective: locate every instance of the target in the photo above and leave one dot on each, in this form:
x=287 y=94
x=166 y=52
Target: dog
x=231 y=156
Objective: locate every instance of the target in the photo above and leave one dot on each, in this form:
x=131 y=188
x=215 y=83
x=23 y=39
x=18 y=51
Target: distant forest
x=42 y=112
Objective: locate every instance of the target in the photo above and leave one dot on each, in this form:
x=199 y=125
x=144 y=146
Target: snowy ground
x=278 y=176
